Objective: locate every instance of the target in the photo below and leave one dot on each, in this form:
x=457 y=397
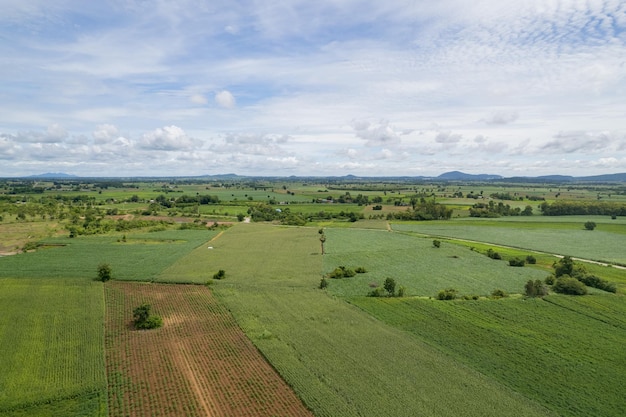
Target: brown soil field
x=199 y=363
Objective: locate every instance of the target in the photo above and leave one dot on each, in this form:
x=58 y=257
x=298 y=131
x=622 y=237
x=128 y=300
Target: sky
x=312 y=88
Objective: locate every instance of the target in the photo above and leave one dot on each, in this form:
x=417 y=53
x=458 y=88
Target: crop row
x=198 y=363
x=565 y=355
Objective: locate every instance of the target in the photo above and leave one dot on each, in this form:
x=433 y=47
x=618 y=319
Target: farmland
x=51 y=340
x=198 y=364
x=265 y=339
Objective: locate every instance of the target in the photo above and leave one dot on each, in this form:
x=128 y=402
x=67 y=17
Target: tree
x=104 y=272
x=322 y=239
x=143 y=319
x=390 y=286
x=436 y=243
x=535 y=288
x=568 y=285
x=590 y=225
x=447 y=294
x=565 y=266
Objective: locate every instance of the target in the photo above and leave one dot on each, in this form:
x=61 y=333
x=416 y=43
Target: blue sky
x=264 y=87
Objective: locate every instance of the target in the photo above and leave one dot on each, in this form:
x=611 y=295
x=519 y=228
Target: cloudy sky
x=326 y=87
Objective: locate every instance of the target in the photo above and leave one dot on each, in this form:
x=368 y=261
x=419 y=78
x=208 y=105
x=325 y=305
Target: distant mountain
x=607 y=177
x=56 y=175
x=461 y=176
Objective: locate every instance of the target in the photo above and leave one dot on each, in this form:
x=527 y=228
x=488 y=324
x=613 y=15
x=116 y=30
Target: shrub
x=535 y=288
x=323 y=283
x=493 y=254
x=568 y=285
x=342 y=272
x=447 y=294
x=360 y=270
x=436 y=243
x=401 y=291
x=104 y=272
x=550 y=280
x=517 y=262
x=531 y=260
x=221 y=274
x=596 y=282
x=498 y=293
x=590 y=225
x=377 y=292
x=143 y=319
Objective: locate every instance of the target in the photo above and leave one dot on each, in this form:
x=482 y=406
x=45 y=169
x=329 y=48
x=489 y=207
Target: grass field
x=51 y=339
x=141 y=257
x=563 y=235
x=338 y=359
x=415 y=264
x=564 y=352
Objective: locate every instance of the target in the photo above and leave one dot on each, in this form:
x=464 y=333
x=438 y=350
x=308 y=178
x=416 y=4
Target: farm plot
x=563 y=352
x=141 y=257
x=339 y=360
x=51 y=339
x=198 y=364
x=415 y=264
x=556 y=237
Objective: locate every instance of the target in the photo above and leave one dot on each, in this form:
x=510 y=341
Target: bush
x=550 y=280
x=342 y=272
x=323 y=283
x=568 y=285
x=436 y=243
x=360 y=270
x=401 y=291
x=493 y=254
x=517 y=262
x=143 y=319
x=596 y=282
x=531 y=260
x=590 y=225
x=535 y=288
x=104 y=272
x=447 y=294
x=221 y=274
x=377 y=292
x=498 y=293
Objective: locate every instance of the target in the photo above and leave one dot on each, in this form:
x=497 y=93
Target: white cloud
x=225 y=99
x=168 y=138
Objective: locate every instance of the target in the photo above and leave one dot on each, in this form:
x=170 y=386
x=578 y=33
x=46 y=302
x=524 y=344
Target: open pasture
x=339 y=360
x=51 y=339
x=198 y=364
x=564 y=352
x=414 y=263
x=562 y=236
x=141 y=257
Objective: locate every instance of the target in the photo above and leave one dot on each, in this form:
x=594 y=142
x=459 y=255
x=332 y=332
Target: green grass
x=142 y=257
x=415 y=264
x=338 y=359
x=52 y=341
x=559 y=237
x=563 y=352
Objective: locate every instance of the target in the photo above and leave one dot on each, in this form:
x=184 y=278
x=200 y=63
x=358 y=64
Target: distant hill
x=53 y=175
x=461 y=176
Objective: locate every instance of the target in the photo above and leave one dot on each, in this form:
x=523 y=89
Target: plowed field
x=198 y=364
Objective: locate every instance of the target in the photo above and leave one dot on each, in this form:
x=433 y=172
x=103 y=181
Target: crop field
x=566 y=353
x=605 y=243
x=52 y=361
x=198 y=364
x=338 y=359
x=417 y=265
x=141 y=257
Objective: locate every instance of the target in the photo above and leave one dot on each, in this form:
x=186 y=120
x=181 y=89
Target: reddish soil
x=199 y=363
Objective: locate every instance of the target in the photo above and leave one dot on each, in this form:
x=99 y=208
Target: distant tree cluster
x=492 y=210
x=423 y=210
x=566 y=208
x=144 y=320
x=387 y=290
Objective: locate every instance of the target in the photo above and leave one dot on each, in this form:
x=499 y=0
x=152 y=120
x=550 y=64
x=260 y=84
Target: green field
x=564 y=352
x=559 y=235
x=414 y=263
x=339 y=360
x=141 y=257
x=52 y=344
